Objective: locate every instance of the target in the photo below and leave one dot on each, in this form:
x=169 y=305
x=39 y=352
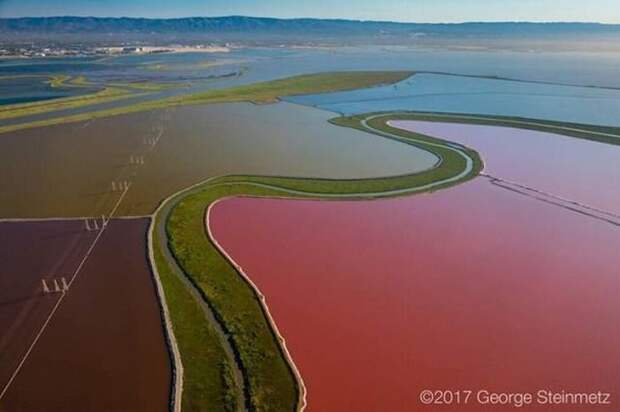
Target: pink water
x=581 y=170
x=469 y=288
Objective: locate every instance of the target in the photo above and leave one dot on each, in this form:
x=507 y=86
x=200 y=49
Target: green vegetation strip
x=601 y=134
x=26 y=109
x=208 y=383
x=264 y=92
x=149 y=86
x=271 y=382
x=270 y=91
x=107 y=94
x=110 y=92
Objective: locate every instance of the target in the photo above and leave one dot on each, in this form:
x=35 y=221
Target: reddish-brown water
x=104 y=348
x=23 y=307
x=471 y=288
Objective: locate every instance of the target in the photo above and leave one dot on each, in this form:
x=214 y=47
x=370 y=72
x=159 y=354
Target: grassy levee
x=263 y=92
x=270 y=91
x=595 y=133
x=208 y=384
x=149 y=86
x=451 y=164
x=272 y=385
x=108 y=94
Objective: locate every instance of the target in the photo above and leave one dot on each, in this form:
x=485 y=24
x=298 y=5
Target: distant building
x=132 y=49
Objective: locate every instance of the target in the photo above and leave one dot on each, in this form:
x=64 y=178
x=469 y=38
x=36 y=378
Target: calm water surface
x=243 y=66
x=474 y=287
x=196 y=142
x=580 y=170
x=458 y=94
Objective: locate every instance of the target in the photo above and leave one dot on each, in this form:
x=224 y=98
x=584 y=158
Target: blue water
x=32 y=89
x=600 y=69
x=428 y=92
x=458 y=94
x=28 y=99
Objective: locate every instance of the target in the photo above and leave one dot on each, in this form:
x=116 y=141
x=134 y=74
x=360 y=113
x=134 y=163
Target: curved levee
x=272 y=379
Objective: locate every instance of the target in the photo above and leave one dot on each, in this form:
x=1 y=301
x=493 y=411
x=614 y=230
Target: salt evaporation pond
x=581 y=170
x=475 y=287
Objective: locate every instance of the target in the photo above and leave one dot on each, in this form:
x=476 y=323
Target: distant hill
x=271 y=25
x=257 y=29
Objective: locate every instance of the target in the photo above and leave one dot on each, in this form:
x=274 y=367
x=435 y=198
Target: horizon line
x=319 y=18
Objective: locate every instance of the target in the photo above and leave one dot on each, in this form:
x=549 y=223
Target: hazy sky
x=607 y=11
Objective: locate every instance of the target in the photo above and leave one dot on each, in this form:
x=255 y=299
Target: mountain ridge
x=72 y=24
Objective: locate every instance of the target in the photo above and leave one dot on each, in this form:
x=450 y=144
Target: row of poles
x=136 y=160
x=94 y=224
x=55 y=286
x=121 y=186
x=60 y=285
x=152 y=141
